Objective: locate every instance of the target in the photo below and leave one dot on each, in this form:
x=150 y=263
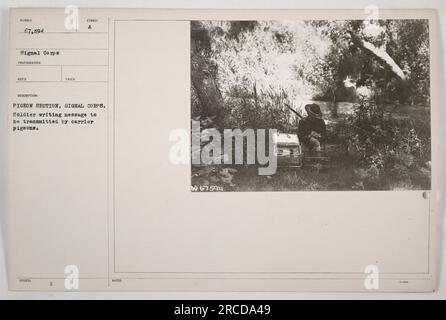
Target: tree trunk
x=334 y=108
x=380 y=53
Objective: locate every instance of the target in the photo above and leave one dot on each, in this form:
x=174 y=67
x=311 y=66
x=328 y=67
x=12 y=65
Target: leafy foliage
x=385 y=146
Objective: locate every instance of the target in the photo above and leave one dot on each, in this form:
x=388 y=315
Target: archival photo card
x=222 y=150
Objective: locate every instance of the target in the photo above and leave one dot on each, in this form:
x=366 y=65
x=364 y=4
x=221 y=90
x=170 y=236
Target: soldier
x=312 y=129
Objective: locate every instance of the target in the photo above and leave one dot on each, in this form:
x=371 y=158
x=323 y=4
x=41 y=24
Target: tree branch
x=381 y=53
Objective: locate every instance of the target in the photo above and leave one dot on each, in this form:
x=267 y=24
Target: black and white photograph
x=311 y=105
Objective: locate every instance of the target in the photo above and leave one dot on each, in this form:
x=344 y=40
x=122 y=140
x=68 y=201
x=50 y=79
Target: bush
x=384 y=145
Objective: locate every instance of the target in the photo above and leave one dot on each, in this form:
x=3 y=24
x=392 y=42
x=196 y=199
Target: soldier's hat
x=313 y=110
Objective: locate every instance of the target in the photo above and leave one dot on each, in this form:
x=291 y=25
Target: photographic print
x=315 y=105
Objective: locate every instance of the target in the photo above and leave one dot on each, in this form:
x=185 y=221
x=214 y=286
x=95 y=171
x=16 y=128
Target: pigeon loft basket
x=288 y=150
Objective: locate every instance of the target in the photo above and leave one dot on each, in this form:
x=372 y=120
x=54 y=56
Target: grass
x=342 y=173
x=339 y=177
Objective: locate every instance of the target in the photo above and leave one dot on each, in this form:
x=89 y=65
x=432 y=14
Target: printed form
x=95 y=204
